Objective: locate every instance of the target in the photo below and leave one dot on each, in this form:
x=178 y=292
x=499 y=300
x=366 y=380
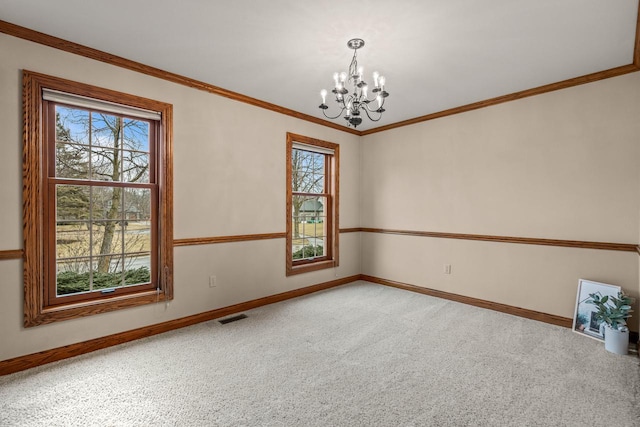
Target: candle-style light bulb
x=382 y=81
x=335 y=79
x=364 y=91
x=360 y=72
x=379 y=98
x=376 y=75
x=323 y=94
x=343 y=76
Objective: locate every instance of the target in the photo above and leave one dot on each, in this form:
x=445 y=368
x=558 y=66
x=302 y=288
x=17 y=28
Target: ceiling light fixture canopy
x=353 y=103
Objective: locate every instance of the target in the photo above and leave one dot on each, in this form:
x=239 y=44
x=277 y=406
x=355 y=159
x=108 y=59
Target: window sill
x=88 y=308
x=304 y=268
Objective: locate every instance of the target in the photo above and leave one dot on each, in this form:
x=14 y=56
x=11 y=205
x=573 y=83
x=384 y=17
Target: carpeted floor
x=357 y=355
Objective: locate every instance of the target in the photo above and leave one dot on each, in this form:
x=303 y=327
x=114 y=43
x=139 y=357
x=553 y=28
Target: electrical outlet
x=447 y=269
x=212 y=281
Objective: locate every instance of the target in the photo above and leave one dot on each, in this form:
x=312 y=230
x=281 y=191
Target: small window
x=97 y=199
x=312 y=204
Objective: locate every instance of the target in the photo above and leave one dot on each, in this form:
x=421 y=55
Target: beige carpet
x=358 y=355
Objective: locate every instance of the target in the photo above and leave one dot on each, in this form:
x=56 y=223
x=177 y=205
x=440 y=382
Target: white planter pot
x=616 y=341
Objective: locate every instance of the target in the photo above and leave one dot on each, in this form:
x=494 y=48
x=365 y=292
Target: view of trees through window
x=103 y=189
x=309 y=204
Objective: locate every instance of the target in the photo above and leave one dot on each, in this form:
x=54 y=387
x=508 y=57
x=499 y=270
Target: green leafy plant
x=308 y=251
x=611 y=310
x=70 y=282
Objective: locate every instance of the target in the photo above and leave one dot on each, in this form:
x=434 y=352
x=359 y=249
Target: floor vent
x=233 y=319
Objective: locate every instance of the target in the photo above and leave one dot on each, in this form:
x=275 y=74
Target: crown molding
x=91 y=53
x=98 y=55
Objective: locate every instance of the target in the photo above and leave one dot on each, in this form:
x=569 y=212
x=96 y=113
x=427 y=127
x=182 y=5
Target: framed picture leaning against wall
x=584 y=321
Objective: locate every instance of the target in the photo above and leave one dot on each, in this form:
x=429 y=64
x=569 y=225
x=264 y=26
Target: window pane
x=297 y=202
x=137 y=203
x=296 y=167
x=311 y=209
x=105 y=164
x=112 y=264
x=73 y=239
x=72 y=125
x=135 y=166
x=72 y=161
x=137 y=237
x=137 y=269
x=297 y=251
x=308 y=251
x=136 y=135
x=318 y=173
x=106 y=141
x=298 y=240
x=307 y=171
x=72 y=203
x=72 y=276
x=106 y=203
x=107 y=272
x=106 y=131
x=137 y=234
x=107 y=237
x=309 y=227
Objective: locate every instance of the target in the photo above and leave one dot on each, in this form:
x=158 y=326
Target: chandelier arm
x=369 y=101
x=338 y=115
x=367 y=111
x=366 y=106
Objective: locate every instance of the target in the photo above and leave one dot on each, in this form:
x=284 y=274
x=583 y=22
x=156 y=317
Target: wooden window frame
x=332 y=192
x=37 y=309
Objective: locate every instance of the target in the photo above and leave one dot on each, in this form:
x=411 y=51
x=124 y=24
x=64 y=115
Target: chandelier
x=352 y=103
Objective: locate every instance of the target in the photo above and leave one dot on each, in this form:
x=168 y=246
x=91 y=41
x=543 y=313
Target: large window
x=97 y=200
x=312 y=204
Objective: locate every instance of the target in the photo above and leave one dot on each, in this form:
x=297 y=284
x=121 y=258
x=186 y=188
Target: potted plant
x=614 y=312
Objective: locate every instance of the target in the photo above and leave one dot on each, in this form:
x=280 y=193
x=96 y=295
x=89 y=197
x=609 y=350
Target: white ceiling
x=435 y=54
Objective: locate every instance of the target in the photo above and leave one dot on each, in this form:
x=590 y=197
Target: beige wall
x=229 y=179
x=562 y=165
